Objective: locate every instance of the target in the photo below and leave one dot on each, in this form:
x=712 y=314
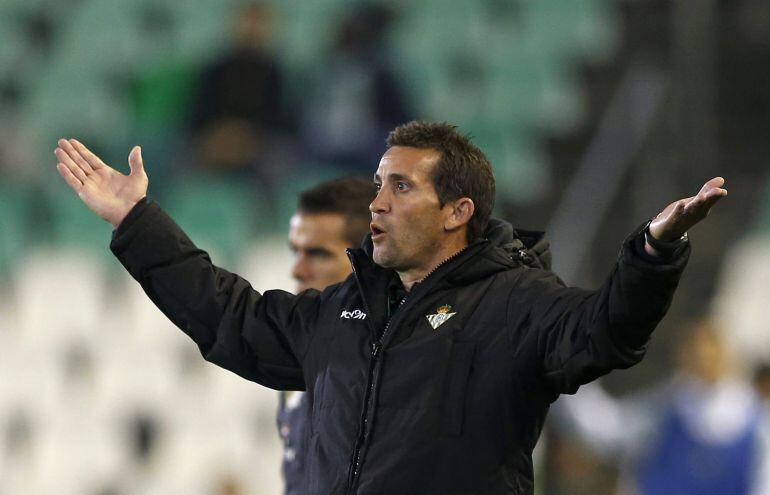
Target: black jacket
x=449 y=393
x=295 y=411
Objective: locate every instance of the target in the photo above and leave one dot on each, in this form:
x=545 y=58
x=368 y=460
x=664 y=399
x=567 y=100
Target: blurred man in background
x=356 y=96
x=704 y=431
x=330 y=218
x=239 y=119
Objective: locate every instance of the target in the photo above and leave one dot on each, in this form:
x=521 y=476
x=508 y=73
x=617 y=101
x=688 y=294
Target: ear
x=461 y=212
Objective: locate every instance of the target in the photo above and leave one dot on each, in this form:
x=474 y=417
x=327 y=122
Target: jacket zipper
x=365 y=424
x=355 y=462
x=355 y=465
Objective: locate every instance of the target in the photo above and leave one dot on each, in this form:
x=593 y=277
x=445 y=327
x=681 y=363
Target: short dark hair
x=346 y=196
x=462 y=170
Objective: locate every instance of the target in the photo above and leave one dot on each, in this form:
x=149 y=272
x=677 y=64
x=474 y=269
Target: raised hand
x=107 y=192
x=678 y=217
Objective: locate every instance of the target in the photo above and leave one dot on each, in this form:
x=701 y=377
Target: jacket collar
x=502 y=248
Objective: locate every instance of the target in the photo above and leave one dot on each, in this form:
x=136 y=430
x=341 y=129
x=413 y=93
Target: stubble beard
x=381 y=257
x=378 y=257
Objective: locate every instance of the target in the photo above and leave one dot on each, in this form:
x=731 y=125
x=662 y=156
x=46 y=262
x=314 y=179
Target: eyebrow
x=394 y=176
x=315 y=251
x=312 y=250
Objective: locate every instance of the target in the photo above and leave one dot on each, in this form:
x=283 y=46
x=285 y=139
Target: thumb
x=135 y=160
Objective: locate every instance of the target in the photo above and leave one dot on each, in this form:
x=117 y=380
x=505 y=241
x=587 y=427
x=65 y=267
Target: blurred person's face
x=762 y=385
x=705 y=356
x=253 y=27
x=318 y=243
x=407 y=217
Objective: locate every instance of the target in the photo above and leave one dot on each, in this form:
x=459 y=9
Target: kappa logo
x=441 y=316
x=356 y=314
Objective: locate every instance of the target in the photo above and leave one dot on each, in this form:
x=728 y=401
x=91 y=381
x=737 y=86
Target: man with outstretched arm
x=431 y=368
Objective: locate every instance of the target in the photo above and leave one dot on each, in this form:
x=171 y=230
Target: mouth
x=376 y=231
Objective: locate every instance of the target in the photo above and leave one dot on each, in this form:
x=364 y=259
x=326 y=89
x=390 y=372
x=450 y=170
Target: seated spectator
x=356 y=97
x=239 y=115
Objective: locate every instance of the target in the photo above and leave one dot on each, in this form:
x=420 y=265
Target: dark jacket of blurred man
x=330 y=218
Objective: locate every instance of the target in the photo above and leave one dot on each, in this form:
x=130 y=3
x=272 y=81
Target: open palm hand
x=678 y=217
x=107 y=192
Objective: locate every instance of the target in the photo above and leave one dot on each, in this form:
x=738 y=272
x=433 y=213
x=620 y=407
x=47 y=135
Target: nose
x=301 y=270
x=380 y=203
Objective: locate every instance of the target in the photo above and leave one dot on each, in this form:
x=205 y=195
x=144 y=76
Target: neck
x=411 y=277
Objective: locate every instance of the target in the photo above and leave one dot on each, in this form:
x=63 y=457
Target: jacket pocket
x=455 y=387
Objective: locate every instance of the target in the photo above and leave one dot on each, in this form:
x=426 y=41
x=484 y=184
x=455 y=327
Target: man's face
x=407 y=219
x=319 y=244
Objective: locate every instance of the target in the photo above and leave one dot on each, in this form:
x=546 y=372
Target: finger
x=73 y=167
x=704 y=202
x=75 y=155
x=135 y=162
x=715 y=182
x=87 y=154
x=69 y=177
x=716 y=192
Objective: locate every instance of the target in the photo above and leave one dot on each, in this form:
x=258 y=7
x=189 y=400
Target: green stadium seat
x=578 y=28
x=305 y=31
x=12 y=45
x=162 y=97
x=534 y=88
x=74 y=226
x=15 y=220
x=219 y=214
x=287 y=192
x=521 y=170
x=65 y=103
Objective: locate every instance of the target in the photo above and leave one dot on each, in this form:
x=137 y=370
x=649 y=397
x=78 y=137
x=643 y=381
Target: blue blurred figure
x=703 y=432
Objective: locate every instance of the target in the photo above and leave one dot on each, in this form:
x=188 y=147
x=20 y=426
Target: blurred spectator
x=705 y=431
x=356 y=97
x=741 y=298
x=16 y=152
x=762 y=381
x=569 y=467
x=229 y=485
x=239 y=118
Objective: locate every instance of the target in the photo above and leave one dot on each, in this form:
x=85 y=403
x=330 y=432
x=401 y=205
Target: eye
x=377 y=186
x=319 y=253
x=402 y=186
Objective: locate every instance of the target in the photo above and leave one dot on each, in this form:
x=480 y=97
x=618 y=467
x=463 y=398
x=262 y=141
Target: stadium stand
x=97 y=404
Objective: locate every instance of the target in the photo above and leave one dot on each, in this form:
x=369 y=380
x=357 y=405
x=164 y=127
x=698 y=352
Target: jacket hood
x=529 y=247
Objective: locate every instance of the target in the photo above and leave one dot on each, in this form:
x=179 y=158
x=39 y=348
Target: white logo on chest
x=441 y=316
x=356 y=314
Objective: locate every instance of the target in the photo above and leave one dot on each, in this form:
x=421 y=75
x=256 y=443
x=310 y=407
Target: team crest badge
x=442 y=314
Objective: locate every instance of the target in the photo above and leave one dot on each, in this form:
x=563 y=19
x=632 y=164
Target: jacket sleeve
x=579 y=335
x=261 y=337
